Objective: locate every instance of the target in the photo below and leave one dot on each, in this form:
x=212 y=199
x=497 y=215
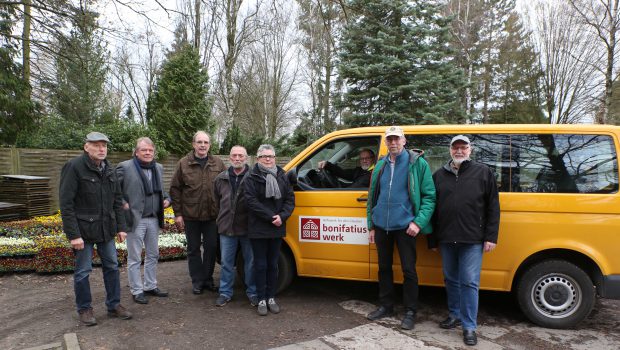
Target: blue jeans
x=461 y=270
x=228 y=248
x=83 y=267
x=266 y=254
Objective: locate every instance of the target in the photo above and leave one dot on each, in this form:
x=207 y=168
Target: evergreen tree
x=17 y=112
x=516 y=96
x=233 y=138
x=395 y=61
x=179 y=104
x=79 y=92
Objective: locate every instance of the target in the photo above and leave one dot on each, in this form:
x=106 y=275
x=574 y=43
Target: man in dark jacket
x=359 y=176
x=270 y=200
x=232 y=224
x=144 y=201
x=466 y=223
x=195 y=209
x=92 y=215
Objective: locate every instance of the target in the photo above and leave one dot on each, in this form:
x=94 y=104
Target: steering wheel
x=328 y=179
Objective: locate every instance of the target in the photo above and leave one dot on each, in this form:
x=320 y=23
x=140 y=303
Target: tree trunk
x=26 y=45
x=197 y=24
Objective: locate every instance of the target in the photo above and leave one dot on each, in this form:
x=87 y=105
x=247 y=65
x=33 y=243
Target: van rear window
x=549 y=163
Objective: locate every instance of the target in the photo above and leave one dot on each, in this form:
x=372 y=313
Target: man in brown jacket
x=195 y=209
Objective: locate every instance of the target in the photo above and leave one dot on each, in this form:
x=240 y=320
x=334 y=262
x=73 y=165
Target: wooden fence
x=49 y=162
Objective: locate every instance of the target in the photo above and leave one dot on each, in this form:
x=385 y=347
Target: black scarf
x=155 y=185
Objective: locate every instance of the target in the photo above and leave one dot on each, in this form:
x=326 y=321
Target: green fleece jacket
x=421 y=190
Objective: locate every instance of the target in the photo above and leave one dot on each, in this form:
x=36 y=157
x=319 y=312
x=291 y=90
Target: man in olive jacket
x=92 y=215
x=196 y=208
x=401 y=200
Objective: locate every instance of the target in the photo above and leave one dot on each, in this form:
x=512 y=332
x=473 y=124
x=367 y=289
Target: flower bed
x=40 y=245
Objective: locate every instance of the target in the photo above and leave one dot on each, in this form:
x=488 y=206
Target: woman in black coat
x=270 y=200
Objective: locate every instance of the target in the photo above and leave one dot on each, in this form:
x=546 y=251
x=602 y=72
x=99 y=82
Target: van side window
x=561 y=163
x=342 y=164
x=490 y=149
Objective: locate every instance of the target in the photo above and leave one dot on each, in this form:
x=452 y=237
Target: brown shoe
x=120 y=312
x=87 y=317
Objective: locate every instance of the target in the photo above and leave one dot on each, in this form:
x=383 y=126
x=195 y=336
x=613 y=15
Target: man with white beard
x=466 y=224
x=360 y=176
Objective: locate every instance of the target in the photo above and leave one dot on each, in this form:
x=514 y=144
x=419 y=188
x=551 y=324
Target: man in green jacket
x=401 y=201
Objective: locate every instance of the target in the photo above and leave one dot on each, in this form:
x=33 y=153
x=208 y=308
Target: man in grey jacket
x=232 y=224
x=144 y=201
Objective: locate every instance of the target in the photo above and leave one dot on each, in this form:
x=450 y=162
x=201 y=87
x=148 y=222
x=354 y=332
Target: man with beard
x=144 y=201
x=360 y=176
x=232 y=224
x=466 y=223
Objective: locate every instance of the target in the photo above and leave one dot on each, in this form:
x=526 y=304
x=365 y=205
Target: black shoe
x=197 y=289
x=140 y=299
x=449 y=323
x=381 y=312
x=408 y=320
x=156 y=293
x=221 y=300
x=469 y=337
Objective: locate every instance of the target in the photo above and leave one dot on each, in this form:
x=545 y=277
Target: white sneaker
x=273 y=307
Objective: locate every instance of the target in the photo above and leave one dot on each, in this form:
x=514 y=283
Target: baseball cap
x=95 y=137
x=394 y=131
x=460 y=138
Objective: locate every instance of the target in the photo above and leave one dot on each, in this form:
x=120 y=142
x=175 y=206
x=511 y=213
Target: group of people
x=457 y=207
x=242 y=206
x=246 y=207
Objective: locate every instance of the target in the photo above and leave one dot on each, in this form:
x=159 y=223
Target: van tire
x=286 y=269
x=555 y=294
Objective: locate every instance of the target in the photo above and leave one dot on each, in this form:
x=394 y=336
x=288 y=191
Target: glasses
x=366 y=158
x=462 y=148
x=266 y=156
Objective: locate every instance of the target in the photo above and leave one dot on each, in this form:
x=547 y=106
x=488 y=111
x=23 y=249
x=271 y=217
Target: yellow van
x=559 y=239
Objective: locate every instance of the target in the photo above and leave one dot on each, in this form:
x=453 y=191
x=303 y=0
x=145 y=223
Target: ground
x=39 y=309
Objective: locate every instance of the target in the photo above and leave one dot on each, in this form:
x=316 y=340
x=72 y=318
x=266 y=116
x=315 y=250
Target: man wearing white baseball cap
x=401 y=200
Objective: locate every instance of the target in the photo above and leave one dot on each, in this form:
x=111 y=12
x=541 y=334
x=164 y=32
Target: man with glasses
x=401 y=200
x=466 y=224
x=195 y=209
x=360 y=176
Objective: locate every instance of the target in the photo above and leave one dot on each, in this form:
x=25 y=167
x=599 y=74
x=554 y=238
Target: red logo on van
x=310 y=229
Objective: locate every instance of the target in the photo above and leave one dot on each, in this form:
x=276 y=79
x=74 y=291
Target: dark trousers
x=109 y=267
x=201 y=266
x=385 y=251
x=266 y=254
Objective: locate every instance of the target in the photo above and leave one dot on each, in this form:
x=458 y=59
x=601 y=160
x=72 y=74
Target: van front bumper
x=610 y=288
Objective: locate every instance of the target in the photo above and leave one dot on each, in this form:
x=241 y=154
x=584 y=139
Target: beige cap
x=394 y=131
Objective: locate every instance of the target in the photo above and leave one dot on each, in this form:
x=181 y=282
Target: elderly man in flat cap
x=92 y=216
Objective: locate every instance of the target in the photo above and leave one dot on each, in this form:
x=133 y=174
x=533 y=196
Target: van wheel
x=556 y=294
x=286 y=269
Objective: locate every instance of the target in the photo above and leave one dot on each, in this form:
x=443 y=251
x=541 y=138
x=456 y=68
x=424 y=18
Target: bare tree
x=567 y=60
x=268 y=80
x=602 y=17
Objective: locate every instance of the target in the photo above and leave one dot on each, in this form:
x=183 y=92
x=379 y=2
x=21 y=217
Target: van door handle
x=362 y=199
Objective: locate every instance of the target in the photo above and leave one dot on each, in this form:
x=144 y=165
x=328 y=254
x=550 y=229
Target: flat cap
x=95 y=137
